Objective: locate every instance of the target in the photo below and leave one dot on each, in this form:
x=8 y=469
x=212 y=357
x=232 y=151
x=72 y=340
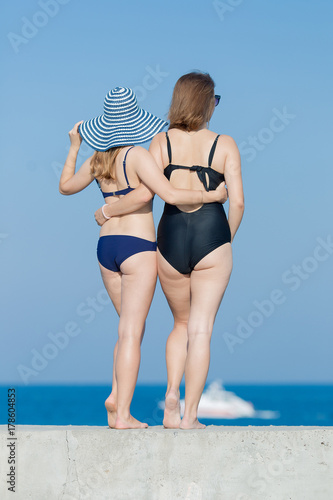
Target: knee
x=180 y=325
x=130 y=332
x=202 y=331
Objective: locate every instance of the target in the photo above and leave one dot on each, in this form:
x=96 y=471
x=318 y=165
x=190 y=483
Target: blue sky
x=270 y=62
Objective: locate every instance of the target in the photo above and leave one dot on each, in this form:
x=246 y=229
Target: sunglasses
x=217 y=100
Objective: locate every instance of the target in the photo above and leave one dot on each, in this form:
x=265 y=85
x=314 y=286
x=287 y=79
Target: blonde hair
x=192 y=101
x=102 y=163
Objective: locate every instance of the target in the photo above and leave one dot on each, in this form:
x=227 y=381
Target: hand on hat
x=74 y=135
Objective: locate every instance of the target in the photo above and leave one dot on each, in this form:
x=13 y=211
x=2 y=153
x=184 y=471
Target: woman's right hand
x=74 y=135
x=221 y=193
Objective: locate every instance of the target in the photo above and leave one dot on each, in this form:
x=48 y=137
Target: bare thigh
x=131 y=290
x=176 y=287
x=138 y=281
x=209 y=280
x=112 y=283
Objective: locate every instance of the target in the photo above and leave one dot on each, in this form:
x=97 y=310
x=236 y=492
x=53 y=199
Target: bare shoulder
x=228 y=142
x=141 y=154
x=158 y=139
x=160 y=136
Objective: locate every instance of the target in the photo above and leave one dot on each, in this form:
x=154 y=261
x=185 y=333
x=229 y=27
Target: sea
x=310 y=405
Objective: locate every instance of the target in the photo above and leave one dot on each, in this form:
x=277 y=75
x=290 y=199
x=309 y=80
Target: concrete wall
x=227 y=463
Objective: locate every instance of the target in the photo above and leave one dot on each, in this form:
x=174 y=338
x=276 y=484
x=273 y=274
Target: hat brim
x=101 y=135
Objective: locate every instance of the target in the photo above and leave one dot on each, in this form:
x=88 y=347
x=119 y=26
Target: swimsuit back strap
x=212 y=151
x=124 y=165
x=169 y=147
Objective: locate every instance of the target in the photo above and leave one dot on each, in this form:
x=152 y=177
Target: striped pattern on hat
x=122 y=123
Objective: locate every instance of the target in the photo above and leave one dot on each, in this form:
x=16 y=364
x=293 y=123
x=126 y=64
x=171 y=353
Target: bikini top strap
x=212 y=151
x=169 y=147
x=124 y=165
x=98 y=184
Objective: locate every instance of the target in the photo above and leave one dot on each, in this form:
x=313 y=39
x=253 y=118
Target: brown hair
x=192 y=101
x=102 y=163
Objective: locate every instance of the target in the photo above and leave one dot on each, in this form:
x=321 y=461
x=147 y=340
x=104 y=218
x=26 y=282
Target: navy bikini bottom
x=113 y=250
x=185 y=238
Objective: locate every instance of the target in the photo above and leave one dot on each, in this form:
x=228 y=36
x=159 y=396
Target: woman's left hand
x=222 y=193
x=74 y=135
x=99 y=217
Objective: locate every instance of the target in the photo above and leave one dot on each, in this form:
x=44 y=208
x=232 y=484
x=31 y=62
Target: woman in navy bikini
x=127 y=246
x=194 y=240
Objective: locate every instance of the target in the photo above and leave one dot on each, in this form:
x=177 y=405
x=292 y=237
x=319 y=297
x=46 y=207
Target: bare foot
x=111 y=407
x=191 y=424
x=172 y=410
x=129 y=423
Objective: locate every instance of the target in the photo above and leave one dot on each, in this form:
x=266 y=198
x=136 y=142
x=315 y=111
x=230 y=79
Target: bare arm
x=233 y=177
x=141 y=195
x=149 y=173
x=71 y=182
x=127 y=204
x=156 y=150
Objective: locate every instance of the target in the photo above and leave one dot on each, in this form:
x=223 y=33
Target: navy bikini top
x=121 y=191
x=214 y=177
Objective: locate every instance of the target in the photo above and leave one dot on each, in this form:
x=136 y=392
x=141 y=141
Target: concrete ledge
x=227 y=463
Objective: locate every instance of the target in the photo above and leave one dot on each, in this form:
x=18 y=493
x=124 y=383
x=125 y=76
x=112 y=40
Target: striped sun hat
x=122 y=122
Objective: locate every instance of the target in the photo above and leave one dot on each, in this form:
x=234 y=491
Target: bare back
x=191 y=149
x=137 y=223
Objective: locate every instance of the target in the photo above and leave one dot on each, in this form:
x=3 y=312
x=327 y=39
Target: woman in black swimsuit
x=194 y=242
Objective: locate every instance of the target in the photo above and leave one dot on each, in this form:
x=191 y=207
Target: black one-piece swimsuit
x=185 y=238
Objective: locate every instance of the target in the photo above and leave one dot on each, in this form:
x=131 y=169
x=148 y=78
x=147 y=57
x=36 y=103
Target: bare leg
x=112 y=282
x=209 y=280
x=145 y=268
x=111 y=401
x=138 y=275
x=176 y=288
